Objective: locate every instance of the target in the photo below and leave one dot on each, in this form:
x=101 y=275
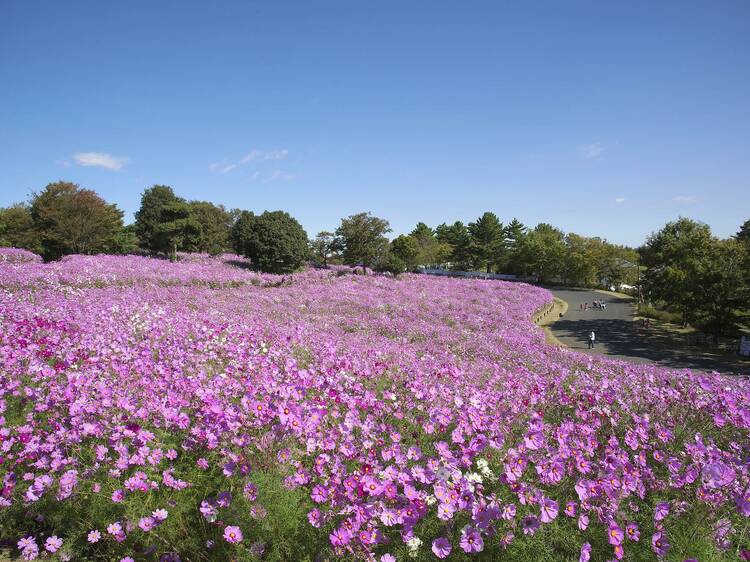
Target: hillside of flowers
x=197 y=410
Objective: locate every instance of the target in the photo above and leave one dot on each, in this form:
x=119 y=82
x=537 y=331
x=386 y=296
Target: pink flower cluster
x=18 y=255
x=390 y=402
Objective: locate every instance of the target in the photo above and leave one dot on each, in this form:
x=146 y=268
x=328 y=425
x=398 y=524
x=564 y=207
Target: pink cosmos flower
x=615 y=534
x=441 y=547
x=632 y=532
x=549 y=510
x=340 y=537
x=529 y=524
x=661 y=511
x=94 y=536
x=232 y=534
x=534 y=440
x=585 y=553
x=314 y=518
x=659 y=544
x=471 y=541
x=53 y=543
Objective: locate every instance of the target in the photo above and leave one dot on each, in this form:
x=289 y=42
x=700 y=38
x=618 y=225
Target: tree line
x=682 y=267
x=705 y=279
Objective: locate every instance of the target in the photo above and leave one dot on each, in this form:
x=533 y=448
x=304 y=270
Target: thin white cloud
x=100 y=160
x=619 y=200
x=591 y=151
x=281 y=175
x=256 y=155
x=685 y=199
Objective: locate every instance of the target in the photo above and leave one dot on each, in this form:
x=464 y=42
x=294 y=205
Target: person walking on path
x=592 y=339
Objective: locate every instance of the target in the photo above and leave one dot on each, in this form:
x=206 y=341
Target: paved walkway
x=618 y=336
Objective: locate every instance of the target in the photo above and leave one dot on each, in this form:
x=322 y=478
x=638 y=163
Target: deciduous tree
x=70 y=219
x=277 y=242
x=362 y=239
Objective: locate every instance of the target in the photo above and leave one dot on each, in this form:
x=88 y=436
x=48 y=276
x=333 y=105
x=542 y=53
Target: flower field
x=197 y=410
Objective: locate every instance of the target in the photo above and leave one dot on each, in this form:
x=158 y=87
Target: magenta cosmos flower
x=615 y=534
x=585 y=553
x=471 y=541
x=659 y=544
x=529 y=524
x=232 y=534
x=549 y=510
x=441 y=547
x=632 y=532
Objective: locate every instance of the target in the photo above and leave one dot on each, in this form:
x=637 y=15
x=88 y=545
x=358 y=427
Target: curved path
x=617 y=335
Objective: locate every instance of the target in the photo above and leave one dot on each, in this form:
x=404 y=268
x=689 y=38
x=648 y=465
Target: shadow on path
x=618 y=336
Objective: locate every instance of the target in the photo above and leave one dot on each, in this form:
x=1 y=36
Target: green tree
x=362 y=239
x=323 y=247
x=406 y=249
x=176 y=230
x=457 y=240
x=487 y=236
x=675 y=258
x=215 y=223
x=277 y=243
x=743 y=234
x=70 y=219
x=578 y=268
x=390 y=263
x=541 y=253
x=124 y=242
x=149 y=216
x=722 y=292
x=430 y=250
x=17 y=228
x=515 y=233
x=241 y=230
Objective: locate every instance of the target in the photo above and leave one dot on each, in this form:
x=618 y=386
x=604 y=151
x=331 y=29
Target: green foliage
x=702 y=278
x=277 y=242
x=487 y=241
x=541 y=253
x=149 y=216
x=177 y=229
x=430 y=251
x=362 y=239
x=650 y=311
x=457 y=240
x=17 y=228
x=323 y=247
x=405 y=249
x=241 y=231
x=125 y=241
x=70 y=220
x=391 y=263
x=215 y=223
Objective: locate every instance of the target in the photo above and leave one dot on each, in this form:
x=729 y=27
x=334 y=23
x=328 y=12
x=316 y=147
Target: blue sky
x=603 y=118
